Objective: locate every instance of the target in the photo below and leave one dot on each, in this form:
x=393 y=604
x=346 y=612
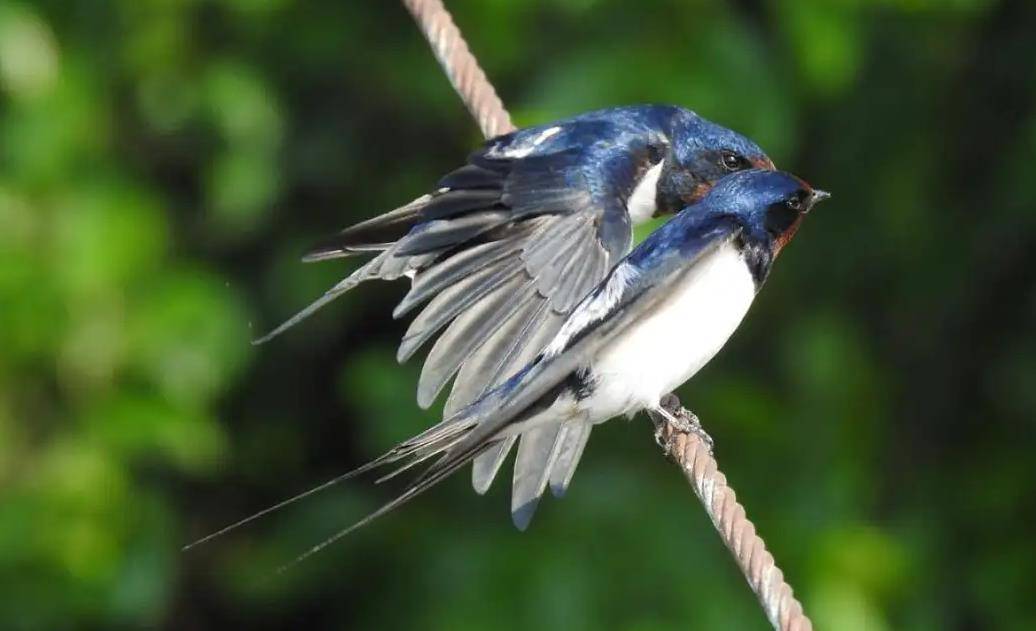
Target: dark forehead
x=712 y=136
x=757 y=189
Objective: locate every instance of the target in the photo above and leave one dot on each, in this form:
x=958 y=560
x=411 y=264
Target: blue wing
x=498 y=303
x=551 y=221
x=636 y=284
x=505 y=248
x=501 y=253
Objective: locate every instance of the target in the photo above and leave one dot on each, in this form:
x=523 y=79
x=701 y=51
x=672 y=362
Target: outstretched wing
x=532 y=223
x=524 y=231
x=526 y=400
x=500 y=254
x=496 y=305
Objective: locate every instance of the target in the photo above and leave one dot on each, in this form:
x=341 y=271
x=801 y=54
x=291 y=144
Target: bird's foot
x=670 y=412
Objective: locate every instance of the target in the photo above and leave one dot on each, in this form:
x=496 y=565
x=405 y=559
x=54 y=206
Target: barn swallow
x=508 y=244
x=658 y=317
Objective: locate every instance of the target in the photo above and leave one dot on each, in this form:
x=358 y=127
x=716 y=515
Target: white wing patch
x=641 y=204
x=523 y=148
x=593 y=308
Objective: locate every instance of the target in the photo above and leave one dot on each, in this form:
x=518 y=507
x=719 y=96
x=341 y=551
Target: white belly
x=680 y=335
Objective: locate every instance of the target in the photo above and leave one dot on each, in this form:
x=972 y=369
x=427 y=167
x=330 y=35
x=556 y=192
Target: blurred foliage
x=164 y=162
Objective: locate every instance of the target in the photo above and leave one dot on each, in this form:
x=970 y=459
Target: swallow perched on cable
x=660 y=315
x=508 y=244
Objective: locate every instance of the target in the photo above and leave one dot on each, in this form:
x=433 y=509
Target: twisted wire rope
x=688 y=449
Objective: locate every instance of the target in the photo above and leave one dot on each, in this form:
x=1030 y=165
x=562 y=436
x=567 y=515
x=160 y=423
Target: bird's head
x=703 y=153
x=771 y=204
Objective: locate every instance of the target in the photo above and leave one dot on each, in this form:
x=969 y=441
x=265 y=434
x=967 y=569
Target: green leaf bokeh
x=164 y=163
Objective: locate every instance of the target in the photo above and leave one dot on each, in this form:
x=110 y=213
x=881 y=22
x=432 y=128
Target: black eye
x=795 y=203
x=732 y=161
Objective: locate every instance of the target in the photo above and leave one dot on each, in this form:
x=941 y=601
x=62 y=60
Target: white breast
x=667 y=346
x=641 y=204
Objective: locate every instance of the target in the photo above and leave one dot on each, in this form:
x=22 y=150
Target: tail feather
x=537 y=451
x=418 y=457
x=488 y=463
x=437 y=440
x=432 y=442
x=458 y=440
x=373 y=464
x=570 y=449
x=420 y=486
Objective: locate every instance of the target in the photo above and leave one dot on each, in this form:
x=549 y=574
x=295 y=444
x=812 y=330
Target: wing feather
x=443 y=233
x=378 y=230
x=466 y=333
x=449 y=304
x=451 y=203
x=511 y=346
x=473 y=176
x=459 y=266
x=551 y=242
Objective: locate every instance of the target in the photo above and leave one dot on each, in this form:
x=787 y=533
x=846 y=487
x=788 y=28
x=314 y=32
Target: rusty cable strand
x=460 y=66
x=686 y=448
x=694 y=456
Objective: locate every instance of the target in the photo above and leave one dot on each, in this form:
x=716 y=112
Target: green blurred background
x=164 y=163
